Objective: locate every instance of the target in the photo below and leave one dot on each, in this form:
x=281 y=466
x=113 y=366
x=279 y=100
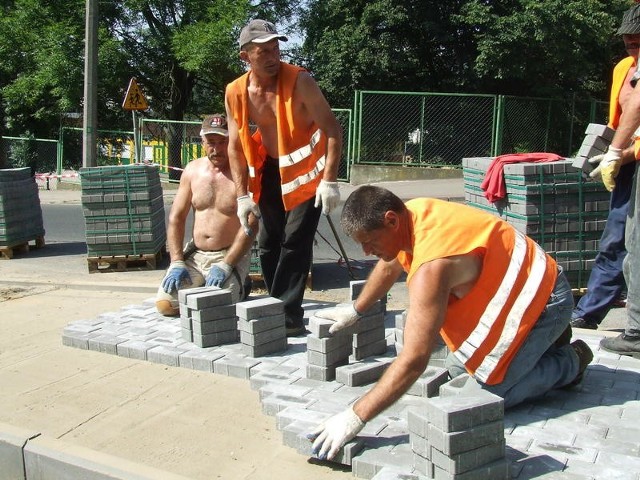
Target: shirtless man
x=218 y=254
x=289 y=165
x=501 y=304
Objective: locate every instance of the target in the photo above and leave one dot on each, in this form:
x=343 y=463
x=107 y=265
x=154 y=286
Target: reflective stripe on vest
x=514 y=318
x=304 y=179
x=301 y=153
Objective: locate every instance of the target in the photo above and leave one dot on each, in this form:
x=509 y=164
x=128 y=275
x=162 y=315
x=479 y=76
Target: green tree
x=548 y=47
x=520 y=47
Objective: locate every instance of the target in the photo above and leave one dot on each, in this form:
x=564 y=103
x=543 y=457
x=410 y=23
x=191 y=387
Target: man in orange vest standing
x=285 y=170
x=606 y=281
x=501 y=304
x=628 y=342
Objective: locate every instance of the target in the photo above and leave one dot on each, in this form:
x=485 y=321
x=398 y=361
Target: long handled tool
x=342 y=252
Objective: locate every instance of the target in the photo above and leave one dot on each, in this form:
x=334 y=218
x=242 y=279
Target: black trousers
x=285 y=243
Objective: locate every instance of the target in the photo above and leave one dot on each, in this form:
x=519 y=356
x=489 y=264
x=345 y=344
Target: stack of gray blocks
x=207 y=316
x=596 y=142
x=460 y=435
x=20 y=211
x=428 y=384
x=552 y=203
x=329 y=355
x=261 y=323
x=123 y=210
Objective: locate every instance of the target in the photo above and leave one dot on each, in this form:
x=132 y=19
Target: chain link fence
x=438 y=130
x=384 y=128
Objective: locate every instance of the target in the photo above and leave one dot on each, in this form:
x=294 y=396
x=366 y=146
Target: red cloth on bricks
x=493 y=183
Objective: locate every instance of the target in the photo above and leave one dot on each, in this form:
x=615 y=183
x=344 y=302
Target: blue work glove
x=177 y=274
x=218 y=274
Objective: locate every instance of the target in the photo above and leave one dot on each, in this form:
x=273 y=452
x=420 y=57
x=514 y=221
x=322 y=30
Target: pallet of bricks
x=20 y=212
x=124 y=217
x=553 y=203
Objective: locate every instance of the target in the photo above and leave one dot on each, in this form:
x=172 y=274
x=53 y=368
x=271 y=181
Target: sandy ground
x=196 y=424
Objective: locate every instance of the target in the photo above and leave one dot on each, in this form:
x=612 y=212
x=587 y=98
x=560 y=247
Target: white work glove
x=218 y=274
x=246 y=206
x=610 y=166
x=328 y=195
x=331 y=436
x=344 y=315
x=595 y=162
x=177 y=275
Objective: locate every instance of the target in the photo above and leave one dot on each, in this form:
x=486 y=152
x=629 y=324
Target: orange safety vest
x=620 y=72
x=487 y=327
x=301 y=153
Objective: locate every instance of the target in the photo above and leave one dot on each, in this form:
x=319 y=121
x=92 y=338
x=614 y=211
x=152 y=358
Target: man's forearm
x=380 y=281
x=332 y=163
x=175 y=241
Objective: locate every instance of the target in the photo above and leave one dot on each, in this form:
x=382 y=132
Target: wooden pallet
x=7 y=251
x=124 y=263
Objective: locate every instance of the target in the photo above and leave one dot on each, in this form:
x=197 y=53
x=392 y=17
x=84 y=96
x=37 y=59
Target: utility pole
x=90 y=117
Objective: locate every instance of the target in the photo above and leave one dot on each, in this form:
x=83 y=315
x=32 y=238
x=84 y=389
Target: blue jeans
x=539 y=365
x=606 y=281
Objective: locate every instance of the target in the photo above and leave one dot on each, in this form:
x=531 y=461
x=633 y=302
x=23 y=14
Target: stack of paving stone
x=123 y=210
x=207 y=316
x=20 y=211
x=262 y=326
x=460 y=436
x=551 y=203
x=596 y=142
x=366 y=338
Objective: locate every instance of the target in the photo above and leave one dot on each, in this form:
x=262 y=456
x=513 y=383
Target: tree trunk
x=181 y=87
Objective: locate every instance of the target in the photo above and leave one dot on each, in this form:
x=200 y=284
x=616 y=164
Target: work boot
x=582 y=323
x=564 y=338
x=623 y=344
x=296 y=331
x=165 y=308
x=585 y=355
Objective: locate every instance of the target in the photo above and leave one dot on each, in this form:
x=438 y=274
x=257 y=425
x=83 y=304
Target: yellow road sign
x=134 y=98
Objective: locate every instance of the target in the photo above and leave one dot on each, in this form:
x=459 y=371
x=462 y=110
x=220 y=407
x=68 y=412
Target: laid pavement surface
x=216 y=424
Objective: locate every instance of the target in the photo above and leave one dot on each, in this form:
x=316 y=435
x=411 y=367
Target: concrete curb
x=28 y=455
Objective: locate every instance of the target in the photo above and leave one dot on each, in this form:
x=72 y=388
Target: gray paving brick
x=268 y=348
x=235 y=366
x=186 y=334
x=468 y=460
x=278 y=333
x=324 y=374
x=105 y=344
x=263 y=378
x=165 y=355
x=455 y=413
x=368 y=337
x=563 y=452
x=597 y=471
x=361 y=373
x=133 y=349
x=275 y=403
x=215 y=326
x=397 y=473
x=260 y=307
x=420 y=446
x=214 y=339
x=332 y=358
x=319 y=327
x=184 y=293
x=462 y=384
x=258 y=325
x=78 y=340
x=208 y=299
x=418 y=421
x=451 y=443
x=214 y=313
x=496 y=470
x=428 y=384
x=307 y=415
x=377 y=348
x=199 y=359
x=328 y=344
